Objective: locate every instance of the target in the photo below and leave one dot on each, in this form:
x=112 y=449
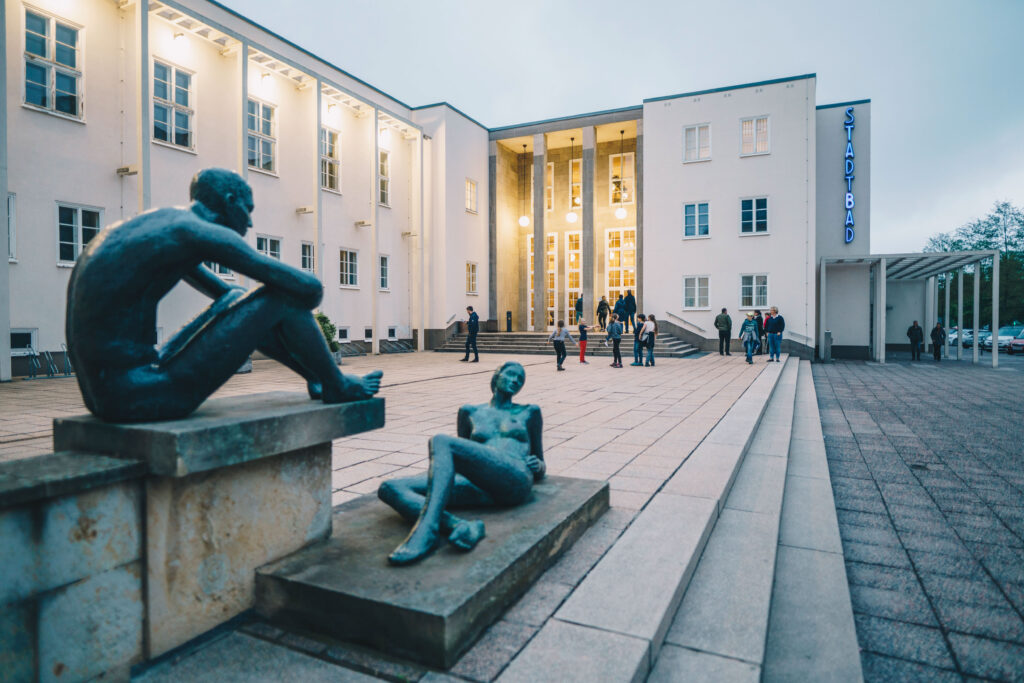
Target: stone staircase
x=536 y=343
x=733 y=571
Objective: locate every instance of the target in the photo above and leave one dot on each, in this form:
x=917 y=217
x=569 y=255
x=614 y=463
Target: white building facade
x=695 y=202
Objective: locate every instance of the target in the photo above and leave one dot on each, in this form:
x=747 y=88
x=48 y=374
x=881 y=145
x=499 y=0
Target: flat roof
x=920 y=266
x=695 y=93
x=843 y=104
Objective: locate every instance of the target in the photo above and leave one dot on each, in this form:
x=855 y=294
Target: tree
x=329 y=330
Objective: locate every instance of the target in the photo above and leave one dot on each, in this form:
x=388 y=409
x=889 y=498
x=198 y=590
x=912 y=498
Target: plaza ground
x=924 y=460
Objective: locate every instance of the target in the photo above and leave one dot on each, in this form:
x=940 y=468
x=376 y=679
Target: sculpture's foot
x=315 y=390
x=467 y=534
x=354 y=389
x=420 y=543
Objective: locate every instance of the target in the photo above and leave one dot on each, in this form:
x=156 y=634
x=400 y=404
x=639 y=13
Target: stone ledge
x=60 y=474
x=222 y=432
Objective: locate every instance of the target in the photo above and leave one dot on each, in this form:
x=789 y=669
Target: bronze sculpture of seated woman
x=494 y=461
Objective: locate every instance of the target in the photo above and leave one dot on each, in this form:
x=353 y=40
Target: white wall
x=786 y=176
x=905 y=303
x=848 y=305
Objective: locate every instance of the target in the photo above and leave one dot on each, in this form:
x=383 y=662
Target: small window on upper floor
x=269 y=246
x=697 y=143
x=470 y=195
x=330 y=160
x=754 y=134
x=261 y=139
x=754 y=216
x=307 y=261
x=696 y=221
x=76 y=226
x=384 y=178
x=172 y=105
x=53 y=64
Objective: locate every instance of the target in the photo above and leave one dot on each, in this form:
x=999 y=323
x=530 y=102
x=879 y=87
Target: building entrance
x=621 y=255
x=550 y=274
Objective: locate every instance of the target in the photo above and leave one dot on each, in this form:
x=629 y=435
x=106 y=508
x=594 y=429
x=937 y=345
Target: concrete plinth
x=432 y=611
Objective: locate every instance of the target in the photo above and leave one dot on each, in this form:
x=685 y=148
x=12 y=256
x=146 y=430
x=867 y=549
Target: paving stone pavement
x=926 y=465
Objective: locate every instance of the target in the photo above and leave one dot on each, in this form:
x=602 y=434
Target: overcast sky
x=946 y=78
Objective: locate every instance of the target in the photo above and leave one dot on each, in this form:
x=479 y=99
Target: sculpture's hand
x=536 y=466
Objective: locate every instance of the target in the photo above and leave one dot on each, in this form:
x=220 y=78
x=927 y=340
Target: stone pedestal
x=432 y=611
x=242 y=482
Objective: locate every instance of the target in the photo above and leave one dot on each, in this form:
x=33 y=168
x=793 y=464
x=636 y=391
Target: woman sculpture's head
x=509 y=378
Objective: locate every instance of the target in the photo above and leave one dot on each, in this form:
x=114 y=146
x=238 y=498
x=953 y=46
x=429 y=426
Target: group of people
x=645 y=331
x=624 y=310
x=757 y=333
x=915 y=333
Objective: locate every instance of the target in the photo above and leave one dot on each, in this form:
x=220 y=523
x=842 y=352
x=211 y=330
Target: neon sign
x=848 y=203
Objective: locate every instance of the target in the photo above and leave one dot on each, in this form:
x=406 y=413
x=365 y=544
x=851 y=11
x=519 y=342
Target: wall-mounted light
x=178 y=37
x=331 y=107
x=264 y=76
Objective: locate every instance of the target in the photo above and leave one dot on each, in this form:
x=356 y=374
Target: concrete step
x=721 y=625
x=613 y=624
x=811 y=632
x=536 y=343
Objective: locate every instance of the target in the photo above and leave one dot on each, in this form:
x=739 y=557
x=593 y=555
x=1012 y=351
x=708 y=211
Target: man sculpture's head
x=226 y=195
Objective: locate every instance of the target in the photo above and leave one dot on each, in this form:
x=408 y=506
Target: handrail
x=684 y=321
x=454 y=315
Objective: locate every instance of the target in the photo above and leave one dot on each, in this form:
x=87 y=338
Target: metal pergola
x=921 y=266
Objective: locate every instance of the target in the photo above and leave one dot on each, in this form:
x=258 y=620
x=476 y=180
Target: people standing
x=638 y=353
x=579 y=309
x=619 y=310
x=723 y=323
x=760 y=331
x=938 y=339
x=748 y=335
x=629 y=305
x=583 y=340
x=774 y=328
x=602 y=313
x=650 y=330
x=915 y=333
x=472 y=327
x=559 y=336
x=615 y=335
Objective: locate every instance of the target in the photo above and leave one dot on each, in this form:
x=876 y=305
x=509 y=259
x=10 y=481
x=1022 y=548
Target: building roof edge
x=731 y=87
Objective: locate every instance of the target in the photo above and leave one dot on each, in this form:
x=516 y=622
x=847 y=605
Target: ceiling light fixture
x=571 y=216
x=524 y=220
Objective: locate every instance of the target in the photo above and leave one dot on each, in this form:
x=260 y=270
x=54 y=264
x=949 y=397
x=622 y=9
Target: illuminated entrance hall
x=576 y=191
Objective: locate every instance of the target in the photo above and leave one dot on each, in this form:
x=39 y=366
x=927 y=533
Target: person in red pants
x=583 y=341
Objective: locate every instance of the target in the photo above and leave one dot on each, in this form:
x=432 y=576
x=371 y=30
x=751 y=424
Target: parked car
x=967 y=339
x=1006 y=334
x=1017 y=345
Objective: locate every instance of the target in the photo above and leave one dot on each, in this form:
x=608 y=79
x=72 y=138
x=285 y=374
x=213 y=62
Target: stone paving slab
x=682 y=664
x=571 y=652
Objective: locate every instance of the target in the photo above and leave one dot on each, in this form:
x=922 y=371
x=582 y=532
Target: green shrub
x=329 y=330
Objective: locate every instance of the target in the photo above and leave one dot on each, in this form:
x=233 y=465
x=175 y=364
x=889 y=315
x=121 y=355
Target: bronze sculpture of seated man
x=124 y=272
x=494 y=461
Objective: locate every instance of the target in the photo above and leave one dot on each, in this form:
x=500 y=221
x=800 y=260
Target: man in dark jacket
x=915 y=333
x=602 y=312
x=723 y=323
x=762 y=338
x=773 y=329
x=620 y=309
x=938 y=340
x=472 y=327
x=629 y=302
x=579 y=308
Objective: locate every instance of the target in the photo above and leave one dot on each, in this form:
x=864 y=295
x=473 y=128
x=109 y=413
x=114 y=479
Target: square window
x=697 y=143
x=23 y=341
x=76 y=226
x=269 y=246
x=753 y=291
x=392 y=333
x=696 y=222
x=343 y=335
x=695 y=291
x=754 y=136
x=367 y=334
x=754 y=215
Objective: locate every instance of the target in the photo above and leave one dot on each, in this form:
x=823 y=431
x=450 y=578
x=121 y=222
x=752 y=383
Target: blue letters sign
x=848 y=168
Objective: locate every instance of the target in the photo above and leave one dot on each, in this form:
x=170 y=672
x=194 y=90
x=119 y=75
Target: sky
x=945 y=78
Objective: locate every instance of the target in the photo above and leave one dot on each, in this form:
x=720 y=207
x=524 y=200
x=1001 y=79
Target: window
x=330 y=160
x=172 y=105
x=12 y=228
x=307 y=260
x=23 y=341
x=219 y=269
x=754 y=136
x=343 y=335
x=621 y=270
x=384 y=271
x=754 y=215
x=53 y=74
x=753 y=291
x=620 y=179
x=392 y=333
x=269 y=246
x=695 y=220
x=576 y=184
x=549 y=187
x=76 y=225
x=384 y=172
x=349 y=268
x=367 y=334
x=695 y=291
x=697 y=143
x=262 y=137
x=470 y=277
x=470 y=195
x=573 y=269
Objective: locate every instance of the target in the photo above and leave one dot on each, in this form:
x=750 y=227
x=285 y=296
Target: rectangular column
x=881 y=310
x=977 y=310
x=492 y=237
x=822 y=299
x=587 y=241
x=5 y=288
x=144 y=111
x=945 y=318
x=638 y=194
x=995 y=310
x=540 y=314
x=375 y=262
x=929 y=311
x=960 y=313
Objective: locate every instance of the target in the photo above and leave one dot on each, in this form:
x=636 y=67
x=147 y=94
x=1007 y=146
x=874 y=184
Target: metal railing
x=44 y=360
x=669 y=314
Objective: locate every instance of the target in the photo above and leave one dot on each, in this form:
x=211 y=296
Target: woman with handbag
x=649 y=334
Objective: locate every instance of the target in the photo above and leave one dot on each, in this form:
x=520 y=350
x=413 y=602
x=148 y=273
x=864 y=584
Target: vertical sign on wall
x=848 y=168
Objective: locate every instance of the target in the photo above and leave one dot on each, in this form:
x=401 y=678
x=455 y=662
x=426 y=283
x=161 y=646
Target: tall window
x=262 y=137
x=349 y=268
x=620 y=179
x=172 y=105
x=53 y=70
x=695 y=291
x=549 y=187
x=753 y=291
x=12 y=228
x=307 y=260
x=576 y=186
x=384 y=271
x=573 y=269
x=269 y=246
x=76 y=226
x=621 y=262
x=754 y=215
x=697 y=143
x=470 y=277
x=384 y=170
x=470 y=195
x=330 y=160
x=695 y=220
x=754 y=135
